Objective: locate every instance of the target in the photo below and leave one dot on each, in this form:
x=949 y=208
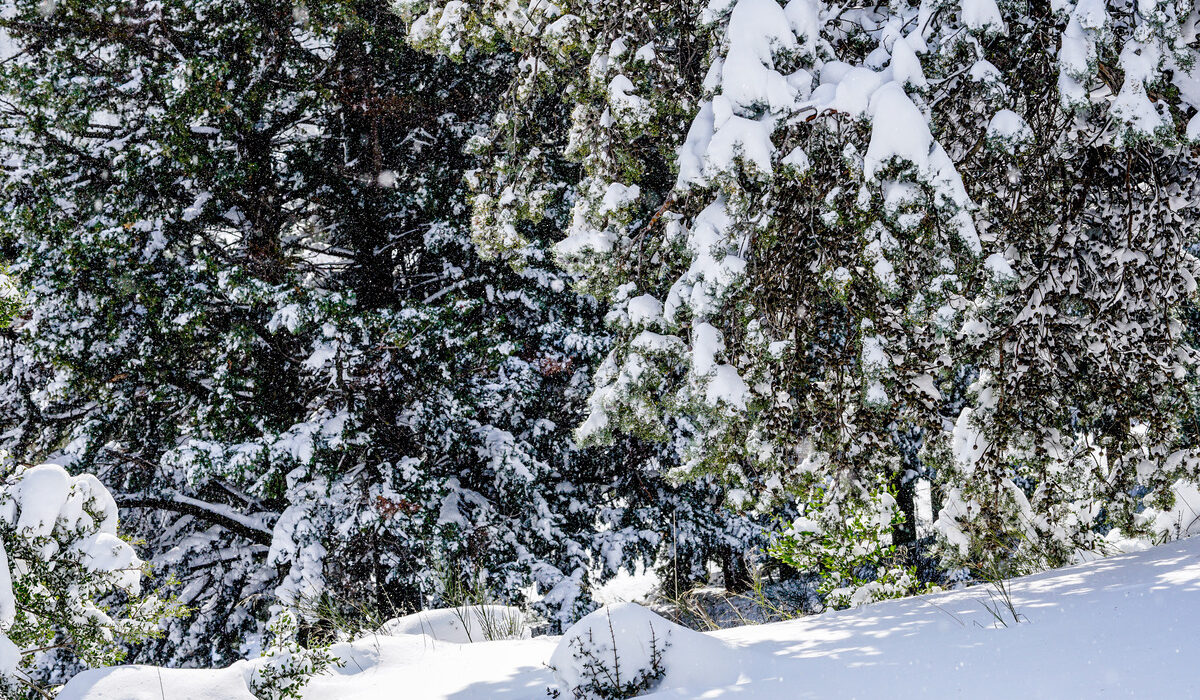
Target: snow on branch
x=215 y=513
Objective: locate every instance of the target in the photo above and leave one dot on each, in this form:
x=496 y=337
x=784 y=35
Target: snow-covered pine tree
x=254 y=310
x=818 y=224
x=573 y=132
x=1085 y=173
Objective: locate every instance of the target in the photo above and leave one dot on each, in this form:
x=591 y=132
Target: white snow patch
x=982 y=15
x=645 y=311
x=1009 y=129
x=898 y=130
x=1000 y=268
x=727 y=387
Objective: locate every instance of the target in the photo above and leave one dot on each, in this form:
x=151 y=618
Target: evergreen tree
x=835 y=237
x=255 y=312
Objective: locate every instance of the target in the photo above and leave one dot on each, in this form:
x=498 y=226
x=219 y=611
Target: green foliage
x=287 y=667
x=9 y=299
x=851 y=549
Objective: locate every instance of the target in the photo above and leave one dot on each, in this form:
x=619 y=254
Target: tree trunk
x=905 y=534
x=735 y=571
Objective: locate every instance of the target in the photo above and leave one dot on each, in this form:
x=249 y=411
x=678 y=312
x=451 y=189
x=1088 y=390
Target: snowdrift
x=476 y=623
x=1124 y=626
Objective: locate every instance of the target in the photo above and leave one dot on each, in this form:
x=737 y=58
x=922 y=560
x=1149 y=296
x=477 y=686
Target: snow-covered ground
x=1124 y=626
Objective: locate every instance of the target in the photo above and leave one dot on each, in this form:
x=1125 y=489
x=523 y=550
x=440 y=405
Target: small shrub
x=287 y=666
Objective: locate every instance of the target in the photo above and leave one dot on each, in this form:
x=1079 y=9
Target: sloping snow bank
x=405 y=667
x=1123 y=626
x=153 y=683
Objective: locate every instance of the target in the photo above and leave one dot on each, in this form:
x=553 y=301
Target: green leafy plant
x=9 y=305
x=287 y=667
x=851 y=552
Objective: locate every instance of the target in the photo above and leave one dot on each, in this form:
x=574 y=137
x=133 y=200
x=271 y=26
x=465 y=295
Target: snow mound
x=463 y=625
x=153 y=683
x=626 y=643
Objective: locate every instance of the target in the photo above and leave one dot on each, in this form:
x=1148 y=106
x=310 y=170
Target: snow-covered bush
x=612 y=654
x=851 y=550
x=600 y=676
x=624 y=650
x=59 y=554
